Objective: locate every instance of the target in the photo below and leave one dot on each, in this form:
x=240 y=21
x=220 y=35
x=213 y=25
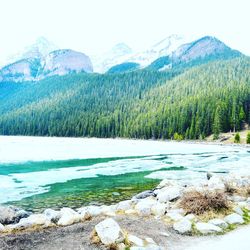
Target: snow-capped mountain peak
x=39 y=49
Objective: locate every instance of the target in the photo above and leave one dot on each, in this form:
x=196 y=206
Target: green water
x=86 y=191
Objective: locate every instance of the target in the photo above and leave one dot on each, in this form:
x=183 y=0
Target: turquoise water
x=36 y=185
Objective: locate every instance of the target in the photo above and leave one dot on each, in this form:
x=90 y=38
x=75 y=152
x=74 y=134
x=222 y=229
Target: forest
x=185 y=102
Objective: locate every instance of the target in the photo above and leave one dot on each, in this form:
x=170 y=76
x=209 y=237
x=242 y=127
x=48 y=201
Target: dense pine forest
x=187 y=102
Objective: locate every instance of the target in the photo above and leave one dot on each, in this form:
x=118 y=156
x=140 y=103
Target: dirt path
x=76 y=237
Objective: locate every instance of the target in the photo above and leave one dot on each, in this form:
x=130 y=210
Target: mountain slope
x=205 y=47
x=59 y=62
x=23 y=70
x=141 y=104
x=62 y=62
x=39 y=49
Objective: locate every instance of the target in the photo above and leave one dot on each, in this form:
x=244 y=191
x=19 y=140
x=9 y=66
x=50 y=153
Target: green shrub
x=248 y=138
x=178 y=137
x=237 y=138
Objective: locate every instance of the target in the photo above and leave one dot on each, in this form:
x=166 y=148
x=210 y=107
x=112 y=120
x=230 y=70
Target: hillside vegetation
x=193 y=102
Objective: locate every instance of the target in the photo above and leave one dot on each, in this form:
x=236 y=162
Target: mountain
x=163 y=48
x=195 y=53
x=59 y=62
x=114 y=56
x=201 y=48
x=121 y=53
x=39 y=49
x=193 y=102
x=62 y=62
x=22 y=70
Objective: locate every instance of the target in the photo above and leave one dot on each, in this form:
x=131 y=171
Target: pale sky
x=93 y=26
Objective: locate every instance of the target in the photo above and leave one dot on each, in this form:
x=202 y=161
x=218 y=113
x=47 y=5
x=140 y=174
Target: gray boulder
x=108 y=231
x=218 y=222
x=11 y=214
x=144 y=194
x=234 y=219
x=183 y=226
x=207 y=228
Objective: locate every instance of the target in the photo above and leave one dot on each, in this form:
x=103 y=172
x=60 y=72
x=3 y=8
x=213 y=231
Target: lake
x=37 y=173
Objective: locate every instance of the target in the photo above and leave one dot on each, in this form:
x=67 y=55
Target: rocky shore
x=147 y=221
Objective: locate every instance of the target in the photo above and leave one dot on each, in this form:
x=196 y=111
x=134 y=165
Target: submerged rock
x=108 y=231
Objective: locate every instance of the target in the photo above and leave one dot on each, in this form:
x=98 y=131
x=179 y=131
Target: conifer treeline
x=206 y=99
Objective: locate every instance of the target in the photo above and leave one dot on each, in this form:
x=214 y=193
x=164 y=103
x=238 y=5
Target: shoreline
x=158 y=208
x=197 y=141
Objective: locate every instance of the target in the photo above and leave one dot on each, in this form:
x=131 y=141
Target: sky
x=94 y=26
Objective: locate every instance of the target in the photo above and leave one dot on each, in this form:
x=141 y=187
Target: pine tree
x=237 y=138
x=217 y=124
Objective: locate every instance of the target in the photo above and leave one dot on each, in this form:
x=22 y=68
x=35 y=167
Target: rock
x=190 y=217
x=135 y=241
x=31 y=221
x=11 y=214
x=169 y=194
x=164 y=234
x=108 y=210
x=52 y=215
x=150 y=241
x=144 y=194
x=218 y=222
x=166 y=183
x=68 y=217
x=91 y=211
x=174 y=216
x=144 y=206
x=248 y=200
x=159 y=209
x=234 y=219
x=121 y=246
x=183 y=226
x=2 y=228
x=209 y=175
x=130 y=211
x=207 y=228
x=108 y=231
x=237 y=198
x=124 y=205
x=243 y=204
x=238 y=210
x=215 y=183
x=150 y=247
